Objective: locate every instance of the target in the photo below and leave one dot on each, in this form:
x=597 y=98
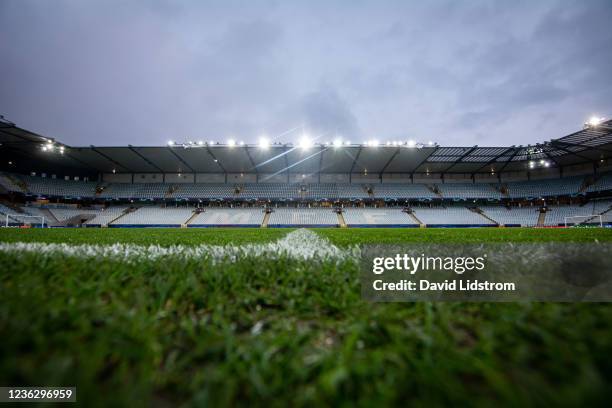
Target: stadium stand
x=322 y=191
x=205 y=191
x=603 y=183
x=265 y=191
x=303 y=217
x=403 y=191
x=545 y=188
x=49 y=187
x=138 y=191
x=469 y=191
x=352 y=191
x=368 y=217
x=452 y=215
x=105 y=216
x=155 y=216
x=519 y=216
x=252 y=217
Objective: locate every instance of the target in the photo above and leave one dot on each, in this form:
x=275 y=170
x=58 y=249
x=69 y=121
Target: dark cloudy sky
x=458 y=72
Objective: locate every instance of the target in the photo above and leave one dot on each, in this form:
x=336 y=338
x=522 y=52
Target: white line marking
x=298 y=244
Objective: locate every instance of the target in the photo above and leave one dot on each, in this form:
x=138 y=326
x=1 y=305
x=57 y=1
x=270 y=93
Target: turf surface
x=257 y=331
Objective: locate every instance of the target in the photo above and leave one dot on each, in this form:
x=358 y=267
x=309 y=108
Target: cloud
x=460 y=73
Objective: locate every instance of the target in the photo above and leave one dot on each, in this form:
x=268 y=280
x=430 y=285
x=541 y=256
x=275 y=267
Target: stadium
x=241 y=291
x=269 y=204
x=337 y=183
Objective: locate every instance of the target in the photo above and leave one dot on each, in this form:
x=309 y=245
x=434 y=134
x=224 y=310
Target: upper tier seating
x=603 y=183
x=303 y=216
x=140 y=190
x=403 y=191
x=545 y=188
x=270 y=190
x=467 y=191
x=376 y=216
x=229 y=216
x=322 y=191
x=10 y=182
x=48 y=187
x=352 y=191
x=450 y=216
x=205 y=190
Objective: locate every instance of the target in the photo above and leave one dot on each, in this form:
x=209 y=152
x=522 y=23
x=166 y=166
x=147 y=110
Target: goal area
x=20 y=220
x=583 y=220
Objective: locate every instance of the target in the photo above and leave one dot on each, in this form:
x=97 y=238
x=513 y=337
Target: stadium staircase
x=541 y=218
x=171 y=191
x=415 y=218
x=77 y=220
x=126 y=211
x=266 y=219
x=434 y=190
x=100 y=189
x=482 y=213
x=341 y=220
x=50 y=217
x=504 y=190
x=193 y=216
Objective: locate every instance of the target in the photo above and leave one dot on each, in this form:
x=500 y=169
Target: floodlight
x=542 y=162
x=594 y=121
x=305 y=142
x=241 y=143
x=388 y=143
x=231 y=143
x=337 y=143
x=411 y=143
x=170 y=143
x=374 y=143
x=546 y=164
x=263 y=143
x=44 y=148
x=348 y=142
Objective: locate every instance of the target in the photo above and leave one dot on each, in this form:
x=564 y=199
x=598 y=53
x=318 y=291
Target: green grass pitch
x=284 y=331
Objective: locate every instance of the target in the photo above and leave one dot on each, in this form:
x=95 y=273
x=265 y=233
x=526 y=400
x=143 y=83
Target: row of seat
x=254 y=216
x=275 y=191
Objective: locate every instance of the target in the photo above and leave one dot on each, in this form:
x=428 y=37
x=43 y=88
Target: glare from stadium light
x=114 y=171
x=170 y=143
x=595 y=121
x=531 y=164
x=200 y=142
x=337 y=143
x=305 y=143
x=231 y=143
x=546 y=164
x=430 y=143
x=411 y=143
x=45 y=148
x=263 y=143
x=241 y=143
x=542 y=162
x=49 y=141
x=372 y=143
x=388 y=143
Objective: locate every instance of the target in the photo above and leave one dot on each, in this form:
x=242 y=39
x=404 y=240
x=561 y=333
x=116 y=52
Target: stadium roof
x=25 y=151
